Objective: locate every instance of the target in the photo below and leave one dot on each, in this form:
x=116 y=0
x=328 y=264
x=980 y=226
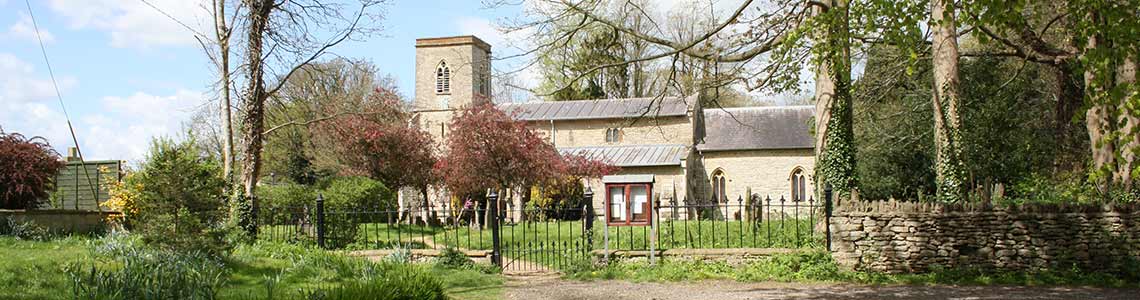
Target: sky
x=128 y=73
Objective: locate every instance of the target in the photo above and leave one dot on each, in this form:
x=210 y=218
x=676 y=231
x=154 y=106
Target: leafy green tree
x=180 y=199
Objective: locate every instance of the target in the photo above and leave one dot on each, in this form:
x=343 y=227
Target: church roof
x=753 y=128
x=632 y=156
x=597 y=109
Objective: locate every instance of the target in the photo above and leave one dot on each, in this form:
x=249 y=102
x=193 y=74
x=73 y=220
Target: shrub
x=286 y=195
x=454 y=259
x=357 y=192
x=27 y=166
x=180 y=199
x=348 y=194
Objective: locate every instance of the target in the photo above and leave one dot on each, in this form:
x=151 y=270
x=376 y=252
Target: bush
x=357 y=192
x=454 y=259
x=179 y=203
x=348 y=194
x=27 y=167
x=286 y=195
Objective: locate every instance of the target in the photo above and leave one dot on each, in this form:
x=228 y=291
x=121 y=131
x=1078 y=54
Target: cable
x=172 y=18
x=59 y=96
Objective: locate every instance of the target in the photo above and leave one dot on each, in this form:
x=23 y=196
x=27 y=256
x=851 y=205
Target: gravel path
x=552 y=288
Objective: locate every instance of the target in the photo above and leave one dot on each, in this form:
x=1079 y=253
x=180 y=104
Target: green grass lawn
x=37 y=270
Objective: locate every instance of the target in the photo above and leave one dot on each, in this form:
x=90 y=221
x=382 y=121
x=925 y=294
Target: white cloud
x=18 y=82
x=23 y=29
x=126 y=125
x=135 y=24
x=119 y=127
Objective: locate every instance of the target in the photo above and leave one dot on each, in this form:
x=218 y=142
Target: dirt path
x=552 y=288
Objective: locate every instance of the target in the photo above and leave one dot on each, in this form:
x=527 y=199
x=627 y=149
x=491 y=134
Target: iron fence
x=535 y=237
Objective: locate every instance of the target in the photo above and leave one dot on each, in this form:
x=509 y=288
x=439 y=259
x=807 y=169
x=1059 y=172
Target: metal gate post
x=653 y=227
x=496 y=243
x=827 y=214
x=589 y=217
x=320 y=220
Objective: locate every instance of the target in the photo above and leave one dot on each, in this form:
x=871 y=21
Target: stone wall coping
x=864 y=207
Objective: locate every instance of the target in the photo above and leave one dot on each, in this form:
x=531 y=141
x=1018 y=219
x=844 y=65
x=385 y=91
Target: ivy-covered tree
x=27 y=167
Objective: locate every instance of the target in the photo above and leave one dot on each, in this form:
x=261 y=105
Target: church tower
x=451 y=74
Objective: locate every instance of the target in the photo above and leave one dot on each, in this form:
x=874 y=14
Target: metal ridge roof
x=598 y=109
x=632 y=155
x=752 y=128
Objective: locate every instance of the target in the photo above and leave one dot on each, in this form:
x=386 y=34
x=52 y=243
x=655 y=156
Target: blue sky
x=128 y=73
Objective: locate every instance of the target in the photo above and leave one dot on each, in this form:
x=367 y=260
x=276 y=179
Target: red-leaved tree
x=27 y=166
x=380 y=142
x=487 y=149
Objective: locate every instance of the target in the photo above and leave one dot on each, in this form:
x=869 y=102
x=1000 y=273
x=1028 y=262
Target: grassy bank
x=48 y=270
x=820 y=267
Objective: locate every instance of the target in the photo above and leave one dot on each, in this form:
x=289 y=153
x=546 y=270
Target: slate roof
x=597 y=109
x=632 y=156
x=752 y=128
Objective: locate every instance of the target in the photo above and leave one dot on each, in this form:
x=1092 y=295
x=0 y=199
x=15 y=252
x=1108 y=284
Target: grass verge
x=820 y=267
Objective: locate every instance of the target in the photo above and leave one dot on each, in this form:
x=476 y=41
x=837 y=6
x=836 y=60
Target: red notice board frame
x=629 y=221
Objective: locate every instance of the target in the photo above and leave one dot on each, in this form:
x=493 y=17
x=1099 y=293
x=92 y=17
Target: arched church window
x=799 y=185
x=718 y=186
x=613 y=135
x=442 y=78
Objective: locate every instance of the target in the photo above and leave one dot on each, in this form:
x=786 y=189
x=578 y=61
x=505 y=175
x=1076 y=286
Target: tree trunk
x=1069 y=96
x=1130 y=119
x=949 y=168
x=222 y=34
x=1098 y=120
x=834 y=134
x=253 y=123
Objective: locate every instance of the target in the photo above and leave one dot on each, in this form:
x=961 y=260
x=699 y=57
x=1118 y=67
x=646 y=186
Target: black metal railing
x=552 y=237
x=756 y=223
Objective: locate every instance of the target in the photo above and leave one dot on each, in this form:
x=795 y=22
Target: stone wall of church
x=582 y=133
x=766 y=172
x=462 y=60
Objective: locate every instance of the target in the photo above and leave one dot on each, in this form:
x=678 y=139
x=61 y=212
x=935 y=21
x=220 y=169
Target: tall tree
x=223 y=30
x=287 y=35
x=834 y=135
x=948 y=165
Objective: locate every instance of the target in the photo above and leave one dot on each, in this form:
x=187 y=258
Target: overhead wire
x=59 y=96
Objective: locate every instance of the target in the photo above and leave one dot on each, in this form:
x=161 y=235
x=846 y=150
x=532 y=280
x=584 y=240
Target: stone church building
x=667 y=148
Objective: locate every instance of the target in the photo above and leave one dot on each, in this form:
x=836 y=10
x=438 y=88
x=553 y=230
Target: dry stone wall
x=896 y=237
